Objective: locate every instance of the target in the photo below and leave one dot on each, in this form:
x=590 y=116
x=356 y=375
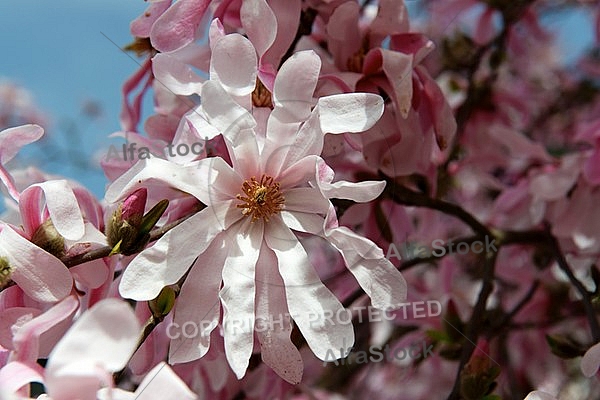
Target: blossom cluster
x=327 y=131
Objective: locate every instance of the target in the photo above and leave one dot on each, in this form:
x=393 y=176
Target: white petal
x=539 y=395
x=222 y=112
x=62 y=206
x=378 y=277
x=294 y=87
x=197 y=179
x=177 y=76
x=163 y=383
x=355 y=112
x=273 y=323
x=309 y=301
x=303 y=222
x=306 y=200
x=234 y=64
x=42 y=276
x=360 y=192
x=165 y=262
x=238 y=293
x=103 y=338
x=198 y=304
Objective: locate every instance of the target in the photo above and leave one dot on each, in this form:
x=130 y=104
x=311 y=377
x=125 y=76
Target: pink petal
x=11 y=318
x=36 y=338
x=103 y=338
x=178 y=25
x=307 y=298
x=288 y=19
x=238 y=278
x=591 y=168
x=91 y=274
x=15 y=375
x=141 y=26
x=484 y=31
x=397 y=68
x=42 y=276
x=343 y=34
x=12 y=139
x=591 y=361
x=260 y=24
x=392 y=18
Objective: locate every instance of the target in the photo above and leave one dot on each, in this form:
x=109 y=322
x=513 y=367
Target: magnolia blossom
x=100 y=343
x=242 y=246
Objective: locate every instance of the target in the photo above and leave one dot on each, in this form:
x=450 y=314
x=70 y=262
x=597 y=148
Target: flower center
x=261 y=97
x=261 y=199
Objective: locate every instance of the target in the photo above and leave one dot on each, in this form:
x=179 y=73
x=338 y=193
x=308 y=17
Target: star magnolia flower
x=242 y=245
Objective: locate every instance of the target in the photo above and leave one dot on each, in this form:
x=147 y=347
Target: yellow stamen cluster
x=261 y=199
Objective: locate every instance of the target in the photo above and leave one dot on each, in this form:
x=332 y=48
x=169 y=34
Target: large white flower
x=243 y=247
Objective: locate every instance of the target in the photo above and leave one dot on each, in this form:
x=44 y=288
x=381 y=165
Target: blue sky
x=58 y=51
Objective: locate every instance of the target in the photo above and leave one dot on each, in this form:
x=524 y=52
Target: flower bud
x=47 y=237
x=5 y=271
x=127 y=232
x=477 y=379
x=162 y=305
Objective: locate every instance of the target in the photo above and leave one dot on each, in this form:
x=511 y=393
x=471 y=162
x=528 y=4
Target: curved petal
x=165 y=262
x=238 y=78
x=238 y=294
x=294 y=87
x=37 y=337
x=260 y=24
x=360 y=192
x=378 y=277
x=349 y=112
x=12 y=139
x=42 y=276
x=310 y=303
x=61 y=203
x=15 y=375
